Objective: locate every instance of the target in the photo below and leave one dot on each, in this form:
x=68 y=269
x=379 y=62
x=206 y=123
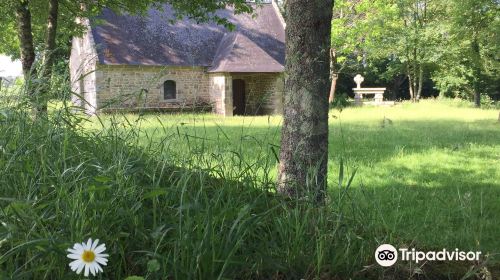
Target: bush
x=488 y=103
x=340 y=102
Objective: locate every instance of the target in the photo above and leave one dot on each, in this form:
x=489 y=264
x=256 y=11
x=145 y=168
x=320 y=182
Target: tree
x=50 y=38
x=36 y=23
x=414 y=40
x=350 y=31
x=472 y=20
x=25 y=35
x=359 y=37
x=469 y=58
x=304 y=140
x=341 y=44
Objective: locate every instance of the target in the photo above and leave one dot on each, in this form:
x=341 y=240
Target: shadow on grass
x=370 y=143
x=62 y=186
x=157 y=217
x=431 y=184
x=366 y=142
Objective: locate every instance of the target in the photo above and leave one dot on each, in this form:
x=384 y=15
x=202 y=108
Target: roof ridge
x=221 y=48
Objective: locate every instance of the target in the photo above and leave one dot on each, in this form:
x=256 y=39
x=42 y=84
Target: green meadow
x=191 y=196
x=428 y=172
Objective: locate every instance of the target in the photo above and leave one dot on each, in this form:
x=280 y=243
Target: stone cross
x=358 y=80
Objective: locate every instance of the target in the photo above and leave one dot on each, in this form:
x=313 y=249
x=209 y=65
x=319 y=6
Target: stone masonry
x=114 y=66
x=142 y=87
x=263 y=91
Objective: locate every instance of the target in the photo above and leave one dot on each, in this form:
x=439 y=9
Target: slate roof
x=256 y=45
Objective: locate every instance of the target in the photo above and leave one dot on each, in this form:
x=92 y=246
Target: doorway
x=238 y=97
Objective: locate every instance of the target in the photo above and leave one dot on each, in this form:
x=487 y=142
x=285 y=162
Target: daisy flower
x=89 y=256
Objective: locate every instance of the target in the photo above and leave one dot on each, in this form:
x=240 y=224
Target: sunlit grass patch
x=407 y=149
x=188 y=196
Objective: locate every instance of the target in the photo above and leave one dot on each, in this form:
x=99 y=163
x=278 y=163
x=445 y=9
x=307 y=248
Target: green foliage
x=153 y=266
x=394 y=38
x=340 y=102
x=463 y=68
x=134 y=278
x=488 y=103
x=160 y=214
x=191 y=196
x=8 y=39
x=60 y=83
x=357 y=28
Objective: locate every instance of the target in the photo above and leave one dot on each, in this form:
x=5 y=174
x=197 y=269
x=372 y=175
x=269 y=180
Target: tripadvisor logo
x=387 y=255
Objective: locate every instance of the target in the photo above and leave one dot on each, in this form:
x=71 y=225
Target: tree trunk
x=331 y=96
x=415 y=72
x=50 y=40
x=48 y=56
x=410 y=85
x=396 y=86
x=333 y=75
x=477 y=97
x=420 y=82
x=477 y=72
x=304 y=141
x=25 y=36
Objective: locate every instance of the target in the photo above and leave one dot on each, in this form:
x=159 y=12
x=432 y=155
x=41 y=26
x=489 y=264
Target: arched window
x=169 y=90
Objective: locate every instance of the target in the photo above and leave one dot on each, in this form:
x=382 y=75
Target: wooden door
x=238 y=97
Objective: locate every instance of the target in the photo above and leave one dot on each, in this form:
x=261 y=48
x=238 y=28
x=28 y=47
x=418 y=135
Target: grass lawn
x=191 y=196
x=428 y=172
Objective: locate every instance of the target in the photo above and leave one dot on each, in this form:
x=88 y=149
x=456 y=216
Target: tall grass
x=160 y=216
x=202 y=212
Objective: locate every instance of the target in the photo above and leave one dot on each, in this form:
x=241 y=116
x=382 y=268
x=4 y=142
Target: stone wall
x=142 y=87
x=82 y=64
x=263 y=92
x=221 y=88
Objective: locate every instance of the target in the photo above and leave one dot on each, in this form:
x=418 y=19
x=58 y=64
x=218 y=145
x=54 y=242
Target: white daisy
x=88 y=256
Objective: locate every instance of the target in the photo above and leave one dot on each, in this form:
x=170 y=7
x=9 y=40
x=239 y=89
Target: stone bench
x=359 y=92
x=378 y=92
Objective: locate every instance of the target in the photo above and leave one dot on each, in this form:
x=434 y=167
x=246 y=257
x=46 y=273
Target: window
x=169 y=90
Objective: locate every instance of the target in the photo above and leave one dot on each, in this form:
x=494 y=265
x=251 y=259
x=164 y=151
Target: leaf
x=134 y=278
x=153 y=266
x=155 y=193
x=94 y=188
x=102 y=179
x=341 y=172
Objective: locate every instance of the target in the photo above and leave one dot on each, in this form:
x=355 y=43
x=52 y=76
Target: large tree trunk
x=25 y=35
x=304 y=141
